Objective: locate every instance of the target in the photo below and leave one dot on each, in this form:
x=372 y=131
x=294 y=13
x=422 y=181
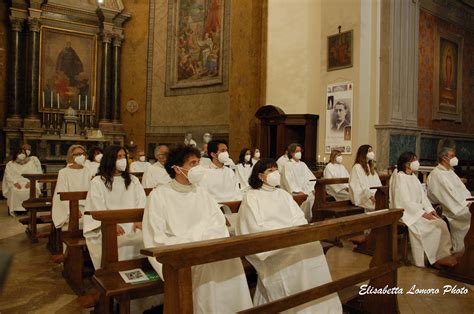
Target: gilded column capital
x=107 y=37
x=17 y=24
x=34 y=24
x=118 y=39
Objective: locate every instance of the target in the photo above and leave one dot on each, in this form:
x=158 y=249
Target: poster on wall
x=339 y=117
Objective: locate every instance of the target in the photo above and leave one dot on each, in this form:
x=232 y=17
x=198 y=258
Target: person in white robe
x=244 y=168
x=140 y=165
x=220 y=181
x=256 y=156
x=114 y=188
x=362 y=177
x=27 y=148
x=156 y=174
x=15 y=187
x=182 y=212
x=298 y=179
x=282 y=161
x=93 y=163
x=73 y=178
x=287 y=271
x=428 y=233
x=335 y=169
x=447 y=189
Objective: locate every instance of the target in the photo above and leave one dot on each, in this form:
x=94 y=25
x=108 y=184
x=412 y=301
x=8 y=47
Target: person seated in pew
x=182 y=212
x=335 y=169
x=75 y=177
x=114 y=188
x=220 y=181
x=156 y=174
x=27 y=148
x=15 y=187
x=93 y=162
x=428 y=233
x=447 y=189
x=298 y=179
x=282 y=161
x=287 y=271
x=256 y=156
x=363 y=176
x=244 y=168
x=140 y=165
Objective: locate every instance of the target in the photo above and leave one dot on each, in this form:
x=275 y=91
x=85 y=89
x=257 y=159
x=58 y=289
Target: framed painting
x=197 y=46
x=340 y=51
x=447 y=81
x=67 y=70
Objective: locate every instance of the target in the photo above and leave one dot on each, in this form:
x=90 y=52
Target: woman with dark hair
x=15 y=187
x=335 y=169
x=256 y=156
x=244 y=168
x=182 y=211
x=286 y=271
x=429 y=234
x=93 y=161
x=363 y=176
x=114 y=188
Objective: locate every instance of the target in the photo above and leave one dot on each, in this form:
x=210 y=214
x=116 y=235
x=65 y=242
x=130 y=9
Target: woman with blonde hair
x=335 y=169
x=75 y=177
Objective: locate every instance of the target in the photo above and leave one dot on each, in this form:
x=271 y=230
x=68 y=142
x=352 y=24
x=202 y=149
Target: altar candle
x=86 y=102
x=79 y=106
x=58 y=99
x=93 y=103
x=319 y=158
x=43 y=99
x=324 y=159
x=51 y=99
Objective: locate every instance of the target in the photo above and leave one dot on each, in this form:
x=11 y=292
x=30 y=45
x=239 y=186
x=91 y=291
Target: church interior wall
x=3 y=66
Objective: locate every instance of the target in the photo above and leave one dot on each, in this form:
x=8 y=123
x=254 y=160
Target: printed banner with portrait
x=339 y=117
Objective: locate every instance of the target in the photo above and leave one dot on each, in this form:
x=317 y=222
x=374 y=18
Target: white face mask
x=98 y=157
x=141 y=158
x=28 y=152
x=339 y=159
x=370 y=155
x=298 y=156
x=195 y=174
x=121 y=164
x=223 y=157
x=257 y=155
x=247 y=158
x=21 y=156
x=80 y=160
x=453 y=162
x=415 y=165
x=273 y=178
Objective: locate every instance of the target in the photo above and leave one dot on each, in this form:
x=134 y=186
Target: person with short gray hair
x=156 y=174
x=446 y=188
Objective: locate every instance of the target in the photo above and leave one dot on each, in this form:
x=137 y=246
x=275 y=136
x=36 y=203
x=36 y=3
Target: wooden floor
x=35 y=284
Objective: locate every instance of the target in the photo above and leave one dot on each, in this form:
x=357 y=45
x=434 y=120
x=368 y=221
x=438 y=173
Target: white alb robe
x=445 y=188
x=281 y=162
x=205 y=162
x=101 y=198
x=243 y=173
x=177 y=213
x=286 y=271
x=296 y=178
x=69 y=180
x=93 y=166
x=338 y=191
x=426 y=236
x=360 y=187
x=37 y=163
x=155 y=175
x=13 y=174
x=139 y=166
x=222 y=184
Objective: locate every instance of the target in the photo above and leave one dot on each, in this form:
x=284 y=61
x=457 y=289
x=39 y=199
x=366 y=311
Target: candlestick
x=43 y=100
x=319 y=158
x=58 y=99
x=86 y=102
x=79 y=106
x=51 y=100
x=93 y=103
x=324 y=159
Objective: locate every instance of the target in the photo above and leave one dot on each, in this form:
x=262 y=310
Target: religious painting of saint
x=197 y=43
x=340 y=51
x=67 y=69
x=448 y=77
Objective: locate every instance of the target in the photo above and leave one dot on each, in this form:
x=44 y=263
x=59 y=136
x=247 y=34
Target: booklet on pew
x=137 y=275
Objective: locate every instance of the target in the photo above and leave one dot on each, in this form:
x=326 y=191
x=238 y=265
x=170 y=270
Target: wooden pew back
x=74 y=212
x=177 y=261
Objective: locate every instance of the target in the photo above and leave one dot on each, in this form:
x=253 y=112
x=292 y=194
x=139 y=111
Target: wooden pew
x=177 y=261
x=107 y=278
x=322 y=209
x=464 y=270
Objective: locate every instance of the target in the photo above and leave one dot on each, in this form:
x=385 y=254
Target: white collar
x=182 y=188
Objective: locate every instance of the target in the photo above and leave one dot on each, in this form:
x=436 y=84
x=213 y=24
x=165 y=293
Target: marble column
x=32 y=119
x=116 y=103
x=14 y=73
x=106 y=76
